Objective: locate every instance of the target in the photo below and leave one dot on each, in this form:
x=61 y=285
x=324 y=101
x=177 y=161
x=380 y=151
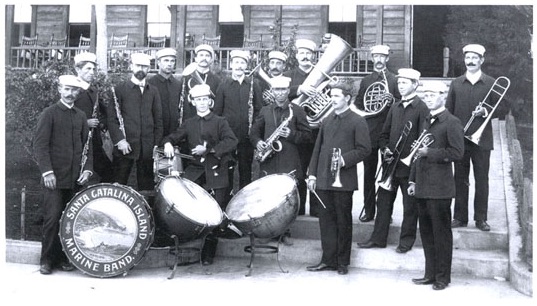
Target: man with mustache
x=276 y=65
x=135 y=125
x=380 y=55
x=60 y=136
x=304 y=56
x=465 y=94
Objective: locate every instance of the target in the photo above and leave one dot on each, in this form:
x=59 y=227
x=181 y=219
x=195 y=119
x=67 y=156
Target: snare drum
x=164 y=166
x=106 y=229
x=185 y=209
x=265 y=207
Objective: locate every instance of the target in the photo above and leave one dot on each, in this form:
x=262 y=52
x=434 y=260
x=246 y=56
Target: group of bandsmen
x=227 y=123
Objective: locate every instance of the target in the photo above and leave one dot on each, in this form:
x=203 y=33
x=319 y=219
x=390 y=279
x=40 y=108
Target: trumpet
x=425 y=140
x=500 y=90
x=389 y=169
x=335 y=167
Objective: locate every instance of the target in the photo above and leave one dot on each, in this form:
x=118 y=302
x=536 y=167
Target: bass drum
x=185 y=209
x=265 y=207
x=106 y=229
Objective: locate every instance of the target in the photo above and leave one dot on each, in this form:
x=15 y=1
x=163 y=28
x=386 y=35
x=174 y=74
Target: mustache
x=471 y=64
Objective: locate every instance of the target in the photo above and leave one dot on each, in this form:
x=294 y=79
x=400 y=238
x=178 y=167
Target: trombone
x=499 y=87
x=387 y=175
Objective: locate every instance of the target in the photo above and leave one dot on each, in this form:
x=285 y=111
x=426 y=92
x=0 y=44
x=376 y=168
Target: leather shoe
x=45 y=269
x=342 y=270
x=439 y=286
x=366 y=218
x=207 y=261
x=320 y=267
x=422 y=281
x=401 y=249
x=66 y=266
x=482 y=225
x=370 y=245
x=457 y=223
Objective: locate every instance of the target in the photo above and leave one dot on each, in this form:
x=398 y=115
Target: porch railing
x=24 y=57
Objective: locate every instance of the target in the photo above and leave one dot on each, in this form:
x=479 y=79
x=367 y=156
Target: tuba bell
x=320 y=106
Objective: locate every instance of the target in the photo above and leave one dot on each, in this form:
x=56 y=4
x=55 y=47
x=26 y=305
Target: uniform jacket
x=375 y=123
x=433 y=174
x=347 y=131
x=142 y=116
x=188 y=82
x=231 y=102
x=397 y=117
x=59 y=139
x=220 y=140
x=298 y=76
x=462 y=99
x=288 y=158
x=169 y=90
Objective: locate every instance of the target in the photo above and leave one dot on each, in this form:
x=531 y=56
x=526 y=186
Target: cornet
x=425 y=140
x=335 y=167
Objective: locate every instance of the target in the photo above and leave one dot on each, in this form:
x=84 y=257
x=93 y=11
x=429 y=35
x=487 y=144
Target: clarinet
x=118 y=111
x=182 y=102
x=251 y=105
x=90 y=136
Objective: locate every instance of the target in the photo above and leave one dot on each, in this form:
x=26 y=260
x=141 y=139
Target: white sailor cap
x=306 y=44
x=434 y=86
x=408 y=73
x=380 y=49
x=71 y=80
x=166 y=52
x=277 y=55
x=85 y=57
x=204 y=47
x=280 y=82
x=475 y=48
x=240 y=53
x=200 y=90
x=141 y=59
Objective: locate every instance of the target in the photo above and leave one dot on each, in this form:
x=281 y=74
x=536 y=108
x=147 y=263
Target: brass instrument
x=320 y=106
x=268 y=96
x=273 y=142
x=389 y=169
x=377 y=97
x=500 y=90
x=192 y=71
x=425 y=140
x=335 y=167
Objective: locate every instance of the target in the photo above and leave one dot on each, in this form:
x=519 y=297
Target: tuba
x=320 y=106
x=500 y=90
x=376 y=98
x=425 y=140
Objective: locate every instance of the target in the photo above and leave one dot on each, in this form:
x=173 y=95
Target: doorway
x=428 y=43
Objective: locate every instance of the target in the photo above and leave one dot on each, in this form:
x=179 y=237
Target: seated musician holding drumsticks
x=211 y=141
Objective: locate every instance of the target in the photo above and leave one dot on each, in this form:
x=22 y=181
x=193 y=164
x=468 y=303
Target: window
x=159 y=20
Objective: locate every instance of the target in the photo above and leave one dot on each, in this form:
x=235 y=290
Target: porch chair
x=211 y=41
x=84 y=44
x=156 y=42
x=119 y=41
x=29 y=55
x=59 y=43
x=253 y=43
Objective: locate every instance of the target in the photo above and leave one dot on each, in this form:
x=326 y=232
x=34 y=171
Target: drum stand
x=178 y=251
x=262 y=249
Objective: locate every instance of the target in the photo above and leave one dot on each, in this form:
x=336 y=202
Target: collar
x=437 y=111
x=343 y=114
x=473 y=77
x=284 y=106
x=306 y=71
x=67 y=105
x=137 y=82
x=240 y=80
x=163 y=79
x=206 y=115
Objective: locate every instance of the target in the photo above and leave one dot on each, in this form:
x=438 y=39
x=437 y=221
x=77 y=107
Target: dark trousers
x=54 y=202
x=370 y=171
x=244 y=157
x=144 y=172
x=101 y=165
x=211 y=240
x=335 y=223
x=481 y=163
x=385 y=202
x=305 y=151
x=437 y=238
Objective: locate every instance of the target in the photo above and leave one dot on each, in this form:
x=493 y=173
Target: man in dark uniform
x=431 y=182
x=89 y=102
x=169 y=89
x=465 y=94
x=385 y=79
x=60 y=137
x=276 y=65
x=410 y=109
x=211 y=142
x=239 y=100
x=304 y=56
x=137 y=127
x=346 y=131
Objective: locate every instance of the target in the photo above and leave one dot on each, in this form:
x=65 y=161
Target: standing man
x=135 y=124
x=347 y=132
x=431 y=182
x=383 y=79
x=169 y=89
x=465 y=94
x=276 y=65
x=204 y=58
x=410 y=109
x=88 y=101
x=304 y=56
x=239 y=100
x=60 y=136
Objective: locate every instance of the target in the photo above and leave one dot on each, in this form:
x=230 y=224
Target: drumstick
x=317 y=196
x=186 y=187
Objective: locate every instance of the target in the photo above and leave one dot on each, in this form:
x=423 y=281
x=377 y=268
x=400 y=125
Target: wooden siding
x=127 y=19
x=51 y=19
x=312 y=21
x=261 y=18
x=202 y=19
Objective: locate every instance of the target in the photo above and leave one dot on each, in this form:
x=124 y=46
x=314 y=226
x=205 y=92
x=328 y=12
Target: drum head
x=260 y=197
x=106 y=229
x=195 y=203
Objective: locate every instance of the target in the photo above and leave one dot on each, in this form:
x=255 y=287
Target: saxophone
x=273 y=142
